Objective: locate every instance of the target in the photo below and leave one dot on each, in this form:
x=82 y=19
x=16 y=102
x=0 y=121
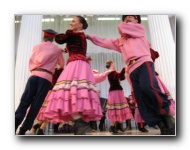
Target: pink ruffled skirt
x=172 y=108
x=117 y=107
x=166 y=91
x=74 y=92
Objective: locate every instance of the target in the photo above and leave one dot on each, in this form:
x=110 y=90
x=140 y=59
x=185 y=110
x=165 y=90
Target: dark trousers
x=34 y=94
x=152 y=103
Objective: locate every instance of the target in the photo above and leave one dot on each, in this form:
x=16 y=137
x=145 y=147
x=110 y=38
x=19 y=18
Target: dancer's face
x=130 y=19
x=75 y=24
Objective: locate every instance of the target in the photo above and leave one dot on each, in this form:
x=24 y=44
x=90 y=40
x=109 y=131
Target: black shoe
x=102 y=127
x=102 y=123
x=128 y=125
x=55 y=127
x=113 y=129
x=143 y=130
x=81 y=127
x=22 y=131
x=93 y=125
x=170 y=123
x=119 y=127
x=40 y=132
x=35 y=128
x=163 y=128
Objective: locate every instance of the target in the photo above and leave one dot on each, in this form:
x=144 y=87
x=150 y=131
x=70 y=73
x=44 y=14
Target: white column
x=30 y=35
x=162 y=41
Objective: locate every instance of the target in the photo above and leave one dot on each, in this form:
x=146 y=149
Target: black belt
x=41 y=69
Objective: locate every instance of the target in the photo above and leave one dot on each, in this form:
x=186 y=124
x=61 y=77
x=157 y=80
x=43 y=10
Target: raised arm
x=131 y=29
x=118 y=75
x=111 y=44
x=122 y=74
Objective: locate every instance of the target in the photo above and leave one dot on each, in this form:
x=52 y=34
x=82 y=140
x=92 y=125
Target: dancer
x=152 y=103
x=131 y=103
x=74 y=96
x=42 y=63
x=117 y=107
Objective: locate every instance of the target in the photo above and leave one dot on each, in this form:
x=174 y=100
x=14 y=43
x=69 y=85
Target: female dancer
x=74 y=96
x=117 y=107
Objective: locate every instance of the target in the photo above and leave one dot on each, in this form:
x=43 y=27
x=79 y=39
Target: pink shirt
x=132 y=44
x=100 y=77
x=45 y=55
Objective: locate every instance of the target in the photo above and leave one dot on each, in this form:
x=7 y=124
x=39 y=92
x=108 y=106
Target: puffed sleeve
x=63 y=38
x=122 y=74
x=117 y=75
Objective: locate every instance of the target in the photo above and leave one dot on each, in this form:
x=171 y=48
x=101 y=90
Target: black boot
x=163 y=128
x=141 y=127
x=102 y=124
x=170 y=123
x=128 y=125
x=35 y=127
x=93 y=125
x=55 y=127
x=143 y=130
x=22 y=131
x=40 y=132
x=112 y=129
x=119 y=126
x=81 y=127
